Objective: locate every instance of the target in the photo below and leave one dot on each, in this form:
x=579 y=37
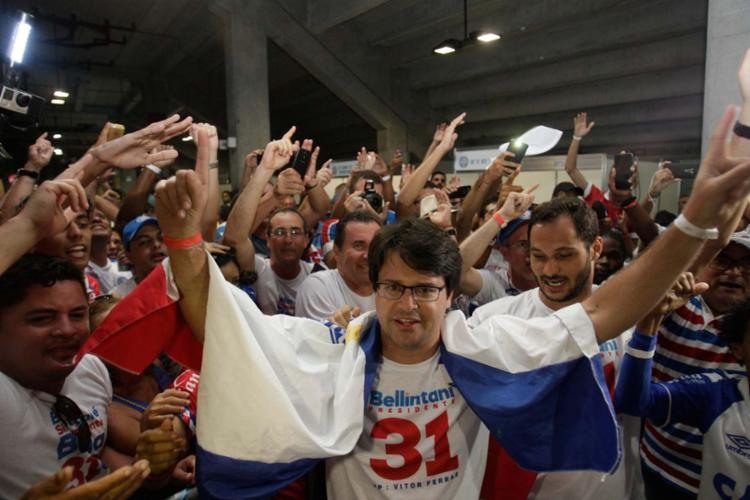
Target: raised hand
x=508 y=187
x=162 y=447
x=40 y=153
x=502 y=166
x=181 y=199
x=453 y=184
x=581 y=125
x=134 y=149
x=289 y=183
x=396 y=161
x=251 y=159
x=439 y=132
x=45 y=208
x=722 y=182
x=517 y=203
x=278 y=153
x=450 y=135
x=406 y=170
x=119 y=485
x=158 y=149
x=442 y=216
x=662 y=178
x=325 y=174
x=184 y=471
x=683 y=288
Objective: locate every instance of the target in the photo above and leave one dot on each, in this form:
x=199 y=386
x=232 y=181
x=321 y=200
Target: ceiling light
x=59 y=102
x=447 y=46
x=20 y=38
x=60 y=93
x=488 y=37
x=58 y=151
x=57 y=136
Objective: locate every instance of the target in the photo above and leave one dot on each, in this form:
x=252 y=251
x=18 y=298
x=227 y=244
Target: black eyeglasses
x=421 y=293
x=724 y=263
x=73 y=418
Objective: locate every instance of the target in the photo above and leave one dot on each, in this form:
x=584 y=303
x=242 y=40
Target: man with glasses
x=281 y=275
x=689 y=343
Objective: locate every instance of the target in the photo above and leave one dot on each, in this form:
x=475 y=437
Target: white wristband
x=691 y=229
x=386 y=178
x=154 y=168
x=577 y=137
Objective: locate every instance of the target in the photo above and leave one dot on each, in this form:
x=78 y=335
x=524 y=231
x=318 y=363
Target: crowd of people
x=412 y=339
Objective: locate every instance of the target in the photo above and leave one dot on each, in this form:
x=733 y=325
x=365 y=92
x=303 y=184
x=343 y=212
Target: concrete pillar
x=245 y=51
x=728 y=37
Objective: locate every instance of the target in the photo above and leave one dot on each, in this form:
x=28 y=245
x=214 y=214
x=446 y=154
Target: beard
x=579 y=285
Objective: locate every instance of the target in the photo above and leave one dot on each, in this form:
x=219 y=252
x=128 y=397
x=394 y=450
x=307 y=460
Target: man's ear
x=597 y=246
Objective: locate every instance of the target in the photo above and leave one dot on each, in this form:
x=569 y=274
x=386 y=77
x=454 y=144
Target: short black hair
x=735 y=324
x=283 y=210
x=619 y=238
x=35 y=269
x=357 y=216
x=584 y=219
x=422 y=246
x=367 y=175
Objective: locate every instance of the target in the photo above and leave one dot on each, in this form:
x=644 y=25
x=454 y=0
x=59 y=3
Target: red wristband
x=631 y=204
x=182 y=243
x=499 y=219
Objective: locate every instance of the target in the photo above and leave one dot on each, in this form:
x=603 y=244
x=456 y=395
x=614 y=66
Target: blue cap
x=135 y=225
x=511 y=227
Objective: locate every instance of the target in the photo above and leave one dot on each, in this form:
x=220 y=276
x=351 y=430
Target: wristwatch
x=741 y=130
x=22 y=172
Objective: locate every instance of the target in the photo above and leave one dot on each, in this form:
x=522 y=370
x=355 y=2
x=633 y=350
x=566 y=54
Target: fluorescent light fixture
x=59 y=102
x=57 y=136
x=488 y=37
x=447 y=47
x=20 y=38
x=58 y=151
x=187 y=138
x=60 y=93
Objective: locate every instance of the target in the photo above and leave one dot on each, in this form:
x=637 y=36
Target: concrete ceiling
x=637 y=66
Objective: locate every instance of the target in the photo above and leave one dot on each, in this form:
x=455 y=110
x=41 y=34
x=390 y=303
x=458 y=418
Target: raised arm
x=244 y=212
x=721 y=186
x=473 y=246
x=42 y=215
x=419 y=177
x=211 y=214
x=581 y=128
x=39 y=156
x=485 y=184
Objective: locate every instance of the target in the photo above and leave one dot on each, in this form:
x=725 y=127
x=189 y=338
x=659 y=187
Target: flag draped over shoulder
x=279 y=393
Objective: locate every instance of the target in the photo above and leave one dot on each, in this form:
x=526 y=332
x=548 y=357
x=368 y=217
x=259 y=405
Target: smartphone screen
x=518 y=149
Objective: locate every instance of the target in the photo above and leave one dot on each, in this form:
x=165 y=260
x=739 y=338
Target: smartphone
x=683 y=170
x=518 y=149
x=116 y=130
x=460 y=193
x=301 y=161
x=623 y=163
x=428 y=205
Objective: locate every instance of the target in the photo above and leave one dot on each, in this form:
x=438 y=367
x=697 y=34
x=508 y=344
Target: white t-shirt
x=580 y=484
x=277 y=295
x=109 y=275
x=420 y=439
x=36 y=443
x=495 y=285
x=496 y=261
x=324 y=292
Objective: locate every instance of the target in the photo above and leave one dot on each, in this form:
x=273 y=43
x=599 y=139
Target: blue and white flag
x=280 y=393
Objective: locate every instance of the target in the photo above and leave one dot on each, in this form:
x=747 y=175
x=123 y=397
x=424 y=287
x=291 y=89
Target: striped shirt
x=688 y=343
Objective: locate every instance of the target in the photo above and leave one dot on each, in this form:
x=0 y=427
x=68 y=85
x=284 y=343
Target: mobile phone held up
x=428 y=205
x=518 y=149
x=623 y=173
x=300 y=162
x=460 y=193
